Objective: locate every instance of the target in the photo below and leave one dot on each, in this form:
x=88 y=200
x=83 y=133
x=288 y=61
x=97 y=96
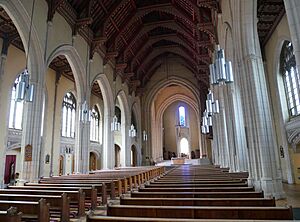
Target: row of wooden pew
x=195 y=193
x=73 y=196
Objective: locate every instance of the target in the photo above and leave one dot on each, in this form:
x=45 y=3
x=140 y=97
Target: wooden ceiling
x=269 y=14
x=135 y=35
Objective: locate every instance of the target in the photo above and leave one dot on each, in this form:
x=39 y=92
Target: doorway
x=10 y=167
x=117 y=156
x=93 y=161
x=133 y=156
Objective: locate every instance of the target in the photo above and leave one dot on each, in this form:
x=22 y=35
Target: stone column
x=85 y=146
x=257 y=115
x=108 y=145
x=3 y=60
x=31 y=136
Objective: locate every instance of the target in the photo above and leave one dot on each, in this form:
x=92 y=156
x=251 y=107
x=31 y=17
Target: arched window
x=94 y=126
x=16 y=108
x=182 y=121
x=68 y=115
x=291 y=78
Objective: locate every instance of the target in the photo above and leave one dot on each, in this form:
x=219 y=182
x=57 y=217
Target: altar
x=178 y=160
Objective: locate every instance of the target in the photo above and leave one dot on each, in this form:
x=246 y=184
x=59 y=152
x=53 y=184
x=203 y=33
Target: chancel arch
x=174 y=96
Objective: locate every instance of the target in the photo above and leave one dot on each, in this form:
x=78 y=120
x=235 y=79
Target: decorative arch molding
x=108 y=102
x=22 y=21
x=96 y=152
x=281 y=105
x=149 y=101
x=158 y=136
x=294 y=137
x=125 y=117
x=173 y=80
x=107 y=93
x=76 y=65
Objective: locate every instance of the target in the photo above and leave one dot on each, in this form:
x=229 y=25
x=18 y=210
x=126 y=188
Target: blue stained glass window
x=182 y=116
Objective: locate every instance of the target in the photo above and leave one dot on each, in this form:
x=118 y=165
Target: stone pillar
x=259 y=128
x=31 y=136
x=220 y=128
x=3 y=60
x=85 y=147
x=108 y=145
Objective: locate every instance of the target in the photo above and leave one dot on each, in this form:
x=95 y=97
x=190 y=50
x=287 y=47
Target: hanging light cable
x=85 y=111
x=24 y=89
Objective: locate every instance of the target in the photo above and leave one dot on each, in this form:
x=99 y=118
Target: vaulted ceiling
x=136 y=34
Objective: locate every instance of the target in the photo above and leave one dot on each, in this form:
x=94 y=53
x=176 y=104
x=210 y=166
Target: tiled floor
x=292 y=196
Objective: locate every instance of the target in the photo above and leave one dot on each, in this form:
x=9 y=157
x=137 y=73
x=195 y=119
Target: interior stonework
x=149 y=69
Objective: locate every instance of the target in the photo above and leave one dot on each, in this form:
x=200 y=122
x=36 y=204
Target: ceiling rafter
x=157 y=51
x=126 y=32
x=171 y=37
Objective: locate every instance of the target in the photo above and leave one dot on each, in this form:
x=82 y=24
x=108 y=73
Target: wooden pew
x=57 y=203
x=198 y=185
x=38 y=211
x=198 y=194
x=198 y=201
x=90 y=192
x=196 y=189
x=77 y=198
x=112 y=186
x=140 y=219
x=10 y=215
x=101 y=188
x=198 y=182
x=255 y=213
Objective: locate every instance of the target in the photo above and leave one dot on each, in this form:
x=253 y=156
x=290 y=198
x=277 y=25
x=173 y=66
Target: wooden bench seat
x=90 y=192
x=92 y=218
x=112 y=186
x=198 y=182
x=198 y=201
x=101 y=188
x=264 y=213
x=37 y=211
x=197 y=185
x=57 y=203
x=198 y=194
x=196 y=189
x=10 y=215
x=77 y=198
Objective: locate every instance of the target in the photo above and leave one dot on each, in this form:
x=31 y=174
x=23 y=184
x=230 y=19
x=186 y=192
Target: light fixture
x=85 y=113
x=145 y=136
x=221 y=70
x=25 y=90
x=115 y=125
x=212 y=107
x=132 y=131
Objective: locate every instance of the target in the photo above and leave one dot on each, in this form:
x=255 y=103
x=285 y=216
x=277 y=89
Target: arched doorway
x=93 y=161
x=117 y=156
x=184 y=147
x=133 y=156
